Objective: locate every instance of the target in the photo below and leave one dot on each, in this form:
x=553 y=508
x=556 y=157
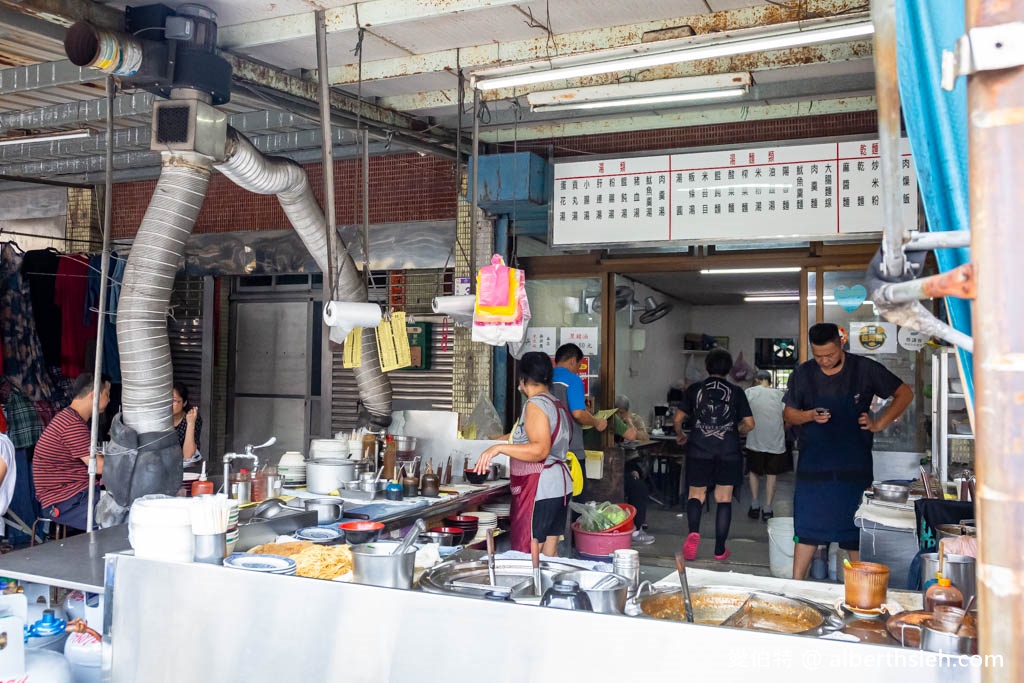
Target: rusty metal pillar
x=996 y=162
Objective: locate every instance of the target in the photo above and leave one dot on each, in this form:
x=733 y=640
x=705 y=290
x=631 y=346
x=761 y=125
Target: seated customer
x=60 y=466
x=187 y=423
x=630 y=427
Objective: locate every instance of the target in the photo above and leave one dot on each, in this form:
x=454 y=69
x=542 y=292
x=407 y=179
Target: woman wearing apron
x=540 y=481
x=831 y=397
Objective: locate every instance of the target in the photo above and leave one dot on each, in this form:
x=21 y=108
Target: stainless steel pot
x=959 y=569
x=325 y=476
x=607 y=592
x=772 y=612
x=327 y=509
x=373 y=563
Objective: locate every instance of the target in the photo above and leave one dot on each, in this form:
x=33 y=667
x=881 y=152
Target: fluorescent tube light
x=46 y=137
x=632 y=89
x=745 y=271
x=639 y=101
x=727 y=48
x=772 y=298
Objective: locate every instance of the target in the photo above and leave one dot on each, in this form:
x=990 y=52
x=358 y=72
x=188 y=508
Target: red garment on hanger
x=77 y=327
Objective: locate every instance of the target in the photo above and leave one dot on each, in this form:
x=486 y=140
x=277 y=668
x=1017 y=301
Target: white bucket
x=780 y=547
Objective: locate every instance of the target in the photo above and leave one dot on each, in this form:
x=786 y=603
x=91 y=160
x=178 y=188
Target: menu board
x=818 y=191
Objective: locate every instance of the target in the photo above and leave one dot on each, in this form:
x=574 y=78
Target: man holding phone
x=830 y=398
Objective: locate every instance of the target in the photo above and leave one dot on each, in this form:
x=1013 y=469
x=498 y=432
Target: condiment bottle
x=258 y=492
x=370 y=448
x=393 y=491
x=410 y=484
x=430 y=485
x=943 y=592
x=241 y=486
x=201 y=486
x=390 y=453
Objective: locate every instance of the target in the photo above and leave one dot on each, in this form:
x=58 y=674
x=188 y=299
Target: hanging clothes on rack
x=111 y=358
x=39 y=269
x=23 y=354
x=23 y=423
x=77 y=328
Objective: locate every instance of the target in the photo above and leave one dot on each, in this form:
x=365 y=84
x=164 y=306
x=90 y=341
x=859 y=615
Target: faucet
x=229 y=457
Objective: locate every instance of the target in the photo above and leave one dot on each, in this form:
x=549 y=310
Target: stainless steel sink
x=254 y=531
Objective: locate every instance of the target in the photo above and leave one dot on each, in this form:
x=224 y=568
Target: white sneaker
x=641 y=537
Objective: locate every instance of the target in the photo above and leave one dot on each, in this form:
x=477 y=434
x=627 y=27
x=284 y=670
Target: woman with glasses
x=187 y=423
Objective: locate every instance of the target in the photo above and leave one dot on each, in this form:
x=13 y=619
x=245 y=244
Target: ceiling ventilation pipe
x=249 y=168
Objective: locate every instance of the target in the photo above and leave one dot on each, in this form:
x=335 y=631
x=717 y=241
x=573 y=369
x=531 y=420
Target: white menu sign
x=800 y=191
x=587 y=338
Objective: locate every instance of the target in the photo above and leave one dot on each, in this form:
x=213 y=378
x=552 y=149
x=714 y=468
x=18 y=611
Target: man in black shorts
x=766 y=444
x=719 y=413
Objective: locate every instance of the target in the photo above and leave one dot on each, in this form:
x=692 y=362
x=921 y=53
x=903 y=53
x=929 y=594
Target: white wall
x=645 y=376
x=742 y=323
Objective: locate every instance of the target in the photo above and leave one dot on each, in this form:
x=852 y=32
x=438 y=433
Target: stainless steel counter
x=77 y=563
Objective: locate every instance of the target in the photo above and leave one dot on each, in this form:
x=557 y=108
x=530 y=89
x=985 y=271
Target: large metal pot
x=609 y=598
x=373 y=563
x=959 y=569
x=325 y=476
x=771 y=612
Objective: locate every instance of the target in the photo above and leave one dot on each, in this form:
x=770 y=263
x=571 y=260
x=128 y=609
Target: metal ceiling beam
x=20 y=79
x=581 y=42
x=369 y=14
x=135 y=104
x=67 y=12
x=777 y=59
x=303 y=146
x=25 y=22
x=649 y=120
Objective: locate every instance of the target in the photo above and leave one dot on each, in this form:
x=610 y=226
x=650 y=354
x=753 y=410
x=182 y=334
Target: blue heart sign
x=850 y=298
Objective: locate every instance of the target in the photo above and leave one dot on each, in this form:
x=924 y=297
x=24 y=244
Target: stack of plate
x=468 y=524
x=266 y=564
x=318 y=534
x=231 y=536
x=488 y=523
x=500 y=509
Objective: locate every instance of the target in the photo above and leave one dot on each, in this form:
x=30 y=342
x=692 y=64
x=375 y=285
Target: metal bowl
x=438 y=537
x=891 y=493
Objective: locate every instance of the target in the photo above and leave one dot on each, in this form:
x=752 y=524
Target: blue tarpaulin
x=936 y=122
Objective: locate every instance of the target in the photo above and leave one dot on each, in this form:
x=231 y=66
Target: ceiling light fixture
x=640 y=101
x=542 y=72
x=46 y=137
x=634 y=90
x=750 y=271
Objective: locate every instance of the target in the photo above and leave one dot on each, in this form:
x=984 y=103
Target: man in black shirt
x=719 y=413
x=831 y=398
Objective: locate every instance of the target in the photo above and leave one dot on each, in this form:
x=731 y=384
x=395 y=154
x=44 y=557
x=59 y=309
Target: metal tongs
x=687 y=605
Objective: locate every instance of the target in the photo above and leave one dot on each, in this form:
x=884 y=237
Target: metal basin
x=471 y=578
x=771 y=612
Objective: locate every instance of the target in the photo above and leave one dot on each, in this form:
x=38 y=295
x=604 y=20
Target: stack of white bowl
x=488 y=523
x=161 y=529
x=500 y=509
x=292 y=468
x=334 y=449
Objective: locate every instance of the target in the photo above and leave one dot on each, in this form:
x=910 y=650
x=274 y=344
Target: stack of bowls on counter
x=320 y=449
x=161 y=529
x=468 y=523
x=292 y=468
x=265 y=564
x=502 y=510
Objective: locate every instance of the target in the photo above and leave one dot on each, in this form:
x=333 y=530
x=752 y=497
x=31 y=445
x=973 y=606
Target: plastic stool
x=59 y=530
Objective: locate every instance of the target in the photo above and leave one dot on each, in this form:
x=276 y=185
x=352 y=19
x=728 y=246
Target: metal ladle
x=418 y=527
x=687 y=605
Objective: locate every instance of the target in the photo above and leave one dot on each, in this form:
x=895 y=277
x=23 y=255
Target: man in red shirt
x=61 y=463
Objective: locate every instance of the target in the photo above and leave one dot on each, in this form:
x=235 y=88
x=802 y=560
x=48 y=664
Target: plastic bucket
x=780 y=547
x=601 y=543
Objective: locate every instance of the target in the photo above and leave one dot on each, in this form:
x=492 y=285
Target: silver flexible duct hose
x=249 y=168
x=146 y=370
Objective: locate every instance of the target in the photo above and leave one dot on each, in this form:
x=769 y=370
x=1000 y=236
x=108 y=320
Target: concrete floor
x=748 y=539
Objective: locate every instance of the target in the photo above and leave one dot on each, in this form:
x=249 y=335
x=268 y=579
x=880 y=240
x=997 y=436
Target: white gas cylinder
x=85 y=655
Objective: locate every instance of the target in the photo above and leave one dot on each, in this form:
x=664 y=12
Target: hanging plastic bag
x=484 y=422
x=492 y=283
x=741 y=371
x=498 y=334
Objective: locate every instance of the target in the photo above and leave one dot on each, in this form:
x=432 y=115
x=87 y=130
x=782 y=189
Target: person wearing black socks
x=719 y=413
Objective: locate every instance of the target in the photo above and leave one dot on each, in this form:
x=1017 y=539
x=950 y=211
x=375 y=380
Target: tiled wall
x=403 y=187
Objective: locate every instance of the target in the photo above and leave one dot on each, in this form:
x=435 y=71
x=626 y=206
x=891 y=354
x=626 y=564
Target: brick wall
x=403 y=187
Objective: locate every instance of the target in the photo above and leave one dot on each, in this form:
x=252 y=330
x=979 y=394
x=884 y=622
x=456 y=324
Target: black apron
x=835 y=467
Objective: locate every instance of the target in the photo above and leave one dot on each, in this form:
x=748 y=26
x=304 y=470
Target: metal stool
x=59 y=530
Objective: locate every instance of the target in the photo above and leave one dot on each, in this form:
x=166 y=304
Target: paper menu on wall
x=541 y=339
x=587 y=338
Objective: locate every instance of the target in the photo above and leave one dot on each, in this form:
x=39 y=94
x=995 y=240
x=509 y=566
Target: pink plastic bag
x=493 y=284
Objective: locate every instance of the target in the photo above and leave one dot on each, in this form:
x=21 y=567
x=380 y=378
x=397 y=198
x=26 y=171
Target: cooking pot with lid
x=327 y=475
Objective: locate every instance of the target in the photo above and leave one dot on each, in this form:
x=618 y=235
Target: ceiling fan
x=623 y=298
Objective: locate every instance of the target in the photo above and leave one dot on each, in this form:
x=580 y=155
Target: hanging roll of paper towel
x=458 y=308
x=344 y=316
